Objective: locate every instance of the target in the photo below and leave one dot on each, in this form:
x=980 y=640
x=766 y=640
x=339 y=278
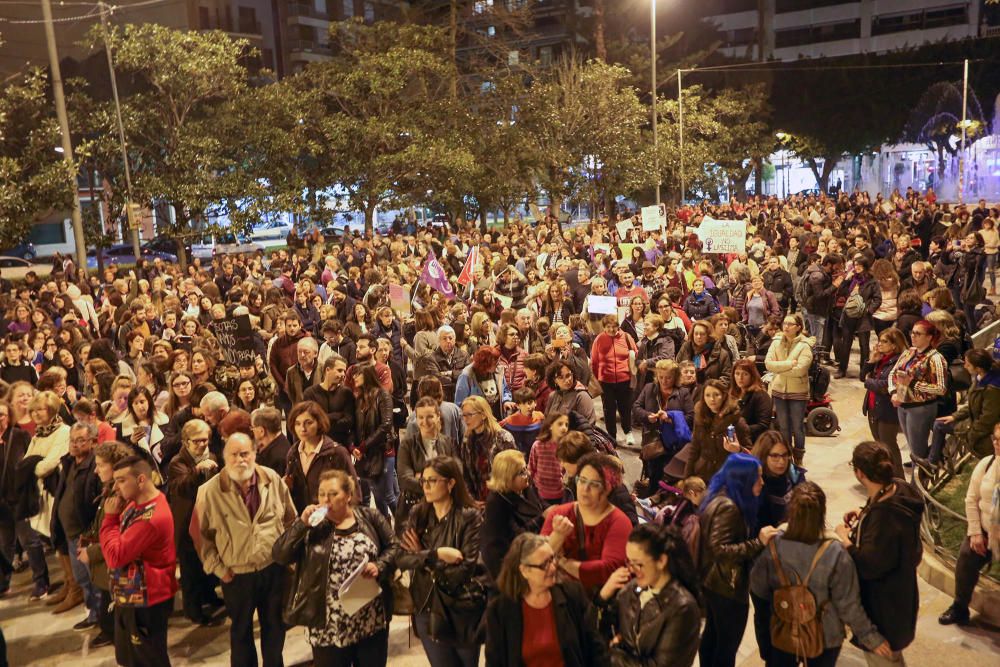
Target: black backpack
x=819 y=379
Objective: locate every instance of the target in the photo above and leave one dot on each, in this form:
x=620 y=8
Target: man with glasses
x=75 y=507
x=13 y=444
x=240 y=513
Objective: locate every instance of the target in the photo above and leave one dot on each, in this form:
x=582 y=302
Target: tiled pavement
x=35 y=637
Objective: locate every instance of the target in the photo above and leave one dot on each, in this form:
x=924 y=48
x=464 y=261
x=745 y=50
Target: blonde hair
x=504 y=470
x=479 y=403
x=47 y=400
x=945 y=323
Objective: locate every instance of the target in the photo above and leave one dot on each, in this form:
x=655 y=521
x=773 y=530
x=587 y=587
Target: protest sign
x=398 y=300
x=235 y=337
x=723 y=236
x=654 y=217
x=624 y=227
x=602 y=305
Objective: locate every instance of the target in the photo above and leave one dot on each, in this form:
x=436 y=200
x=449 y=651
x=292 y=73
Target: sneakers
x=85 y=624
x=101 y=640
x=39 y=592
x=954 y=615
x=629 y=440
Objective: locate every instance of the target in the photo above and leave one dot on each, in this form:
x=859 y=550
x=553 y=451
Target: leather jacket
x=458 y=529
x=309 y=550
x=663 y=632
x=727 y=550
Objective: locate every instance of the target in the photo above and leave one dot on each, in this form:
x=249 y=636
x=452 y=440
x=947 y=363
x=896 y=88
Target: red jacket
x=609 y=357
x=149 y=539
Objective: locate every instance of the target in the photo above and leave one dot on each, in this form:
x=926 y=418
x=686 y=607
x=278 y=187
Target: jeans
x=20 y=531
x=916 y=423
x=816 y=325
x=939 y=436
x=369 y=652
x=991 y=270
x=827 y=658
x=967 y=571
x=387 y=488
x=725 y=623
x=888 y=433
x=263 y=592
x=791 y=414
x=617 y=397
x=81 y=573
x=443 y=655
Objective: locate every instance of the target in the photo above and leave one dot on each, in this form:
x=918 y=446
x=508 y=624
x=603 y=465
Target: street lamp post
x=652 y=59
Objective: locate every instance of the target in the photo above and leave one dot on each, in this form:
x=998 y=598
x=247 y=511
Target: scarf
x=50 y=428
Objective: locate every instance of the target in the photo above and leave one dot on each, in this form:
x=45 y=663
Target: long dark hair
x=736 y=480
x=448 y=468
x=150 y=409
x=658 y=540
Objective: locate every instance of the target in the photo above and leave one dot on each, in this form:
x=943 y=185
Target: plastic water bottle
x=318 y=515
x=731 y=433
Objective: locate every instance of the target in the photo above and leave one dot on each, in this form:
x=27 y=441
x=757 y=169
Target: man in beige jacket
x=240 y=513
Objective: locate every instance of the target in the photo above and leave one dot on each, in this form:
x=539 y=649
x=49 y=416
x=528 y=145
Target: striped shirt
x=545 y=471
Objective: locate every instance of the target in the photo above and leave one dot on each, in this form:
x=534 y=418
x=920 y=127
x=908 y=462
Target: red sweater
x=605 y=544
x=609 y=357
x=150 y=539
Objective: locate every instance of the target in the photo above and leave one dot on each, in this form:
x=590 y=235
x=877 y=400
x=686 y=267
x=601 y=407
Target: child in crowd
x=526 y=423
x=543 y=464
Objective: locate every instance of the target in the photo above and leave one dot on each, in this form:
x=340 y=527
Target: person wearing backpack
x=803 y=570
x=883 y=538
x=822 y=280
x=863 y=298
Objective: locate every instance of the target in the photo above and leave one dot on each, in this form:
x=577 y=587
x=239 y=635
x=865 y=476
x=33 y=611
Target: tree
x=744 y=135
x=936 y=120
x=587 y=123
x=176 y=121
x=383 y=111
x=34 y=178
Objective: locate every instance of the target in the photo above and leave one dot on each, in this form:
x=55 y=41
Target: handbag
x=402 y=599
x=652 y=447
x=594 y=387
x=457 y=605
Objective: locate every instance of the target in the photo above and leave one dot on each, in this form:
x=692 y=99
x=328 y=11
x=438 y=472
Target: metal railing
x=937 y=515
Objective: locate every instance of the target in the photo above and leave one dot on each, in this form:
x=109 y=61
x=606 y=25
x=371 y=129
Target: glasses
x=590 y=484
x=917 y=332
x=470 y=414
x=199 y=441
x=180 y=383
x=430 y=481
x=523 y=472
x=544 y=565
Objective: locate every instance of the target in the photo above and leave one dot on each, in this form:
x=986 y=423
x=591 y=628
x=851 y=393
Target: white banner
x=654 y=217
x=723 y=236
x=624 y=227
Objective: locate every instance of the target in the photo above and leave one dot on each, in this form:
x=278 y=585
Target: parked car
x=223 y=244
x=25 y=250
x=271 y=231
x=122 y=254
x=15 y=263
x=166 y=244
x=333 y=234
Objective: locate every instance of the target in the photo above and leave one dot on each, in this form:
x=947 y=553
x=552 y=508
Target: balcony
x=309 y=11
x=307 y=46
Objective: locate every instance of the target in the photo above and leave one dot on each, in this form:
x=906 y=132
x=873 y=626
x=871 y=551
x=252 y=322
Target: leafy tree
x=936 y=120
x=34 y=178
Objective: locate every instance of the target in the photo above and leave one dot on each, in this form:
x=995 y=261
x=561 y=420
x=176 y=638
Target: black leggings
x=725 y=623
x=369 y=652
x=617 y=396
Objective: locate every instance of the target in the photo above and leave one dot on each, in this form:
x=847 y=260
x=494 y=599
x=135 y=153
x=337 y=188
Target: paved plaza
x=36 y=637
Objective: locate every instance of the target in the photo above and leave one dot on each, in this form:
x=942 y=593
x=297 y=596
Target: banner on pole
x=434 y=275
x=654 y=218
x=723 y=236
x=235 y=336
x=624 y=227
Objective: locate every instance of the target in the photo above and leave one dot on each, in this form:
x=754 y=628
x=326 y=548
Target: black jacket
x=727 y=550
x=15 y=444
x=576 y=628
x=886 y=551
x=339 y=408
x=309 y=550
x=871 y=293
x=506 y=516
x=651 y=351
x=183 y=481
x=86 y=489
x=648 y=403
x=458 y=529
x=877 y=403
x=820 y=291
x=757 y=409
x=663 y=632
x=303 y=487
x=779 y=283
x=275 y=455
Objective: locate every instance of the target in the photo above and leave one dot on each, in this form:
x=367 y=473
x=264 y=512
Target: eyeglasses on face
x=523 y=472
x=469 y=414
x=544 y=565
x=430 y=481
x=590 y=484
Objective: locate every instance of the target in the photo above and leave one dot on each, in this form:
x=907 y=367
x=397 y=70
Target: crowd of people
x=412 y=429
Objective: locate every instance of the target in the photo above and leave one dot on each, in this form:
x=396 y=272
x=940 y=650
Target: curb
x=985 y=599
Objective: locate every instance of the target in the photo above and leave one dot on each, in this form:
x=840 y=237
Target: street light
x=652 y=60
x=782 y=136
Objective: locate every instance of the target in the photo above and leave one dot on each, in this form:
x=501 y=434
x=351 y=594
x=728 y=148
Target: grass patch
x=952 y=531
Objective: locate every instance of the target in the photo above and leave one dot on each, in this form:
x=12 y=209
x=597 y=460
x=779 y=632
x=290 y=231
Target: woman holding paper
x=329 y=543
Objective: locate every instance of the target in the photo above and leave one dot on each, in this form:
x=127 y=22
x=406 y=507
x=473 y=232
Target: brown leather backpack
x=796 y=620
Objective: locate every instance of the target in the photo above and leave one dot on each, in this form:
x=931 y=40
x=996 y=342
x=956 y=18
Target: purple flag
x=434 y=275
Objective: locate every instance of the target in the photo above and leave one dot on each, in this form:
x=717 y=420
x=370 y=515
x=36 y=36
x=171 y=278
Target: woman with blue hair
x=730 y=542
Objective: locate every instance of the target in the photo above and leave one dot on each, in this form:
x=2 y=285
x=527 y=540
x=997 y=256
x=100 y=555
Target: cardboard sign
x=235 y=337
x=654 y=217
x=723 y=236
x=624 y=227
x=398 y=300
x=602 y=305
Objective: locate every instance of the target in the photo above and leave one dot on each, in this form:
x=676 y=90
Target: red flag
x=465 y=277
